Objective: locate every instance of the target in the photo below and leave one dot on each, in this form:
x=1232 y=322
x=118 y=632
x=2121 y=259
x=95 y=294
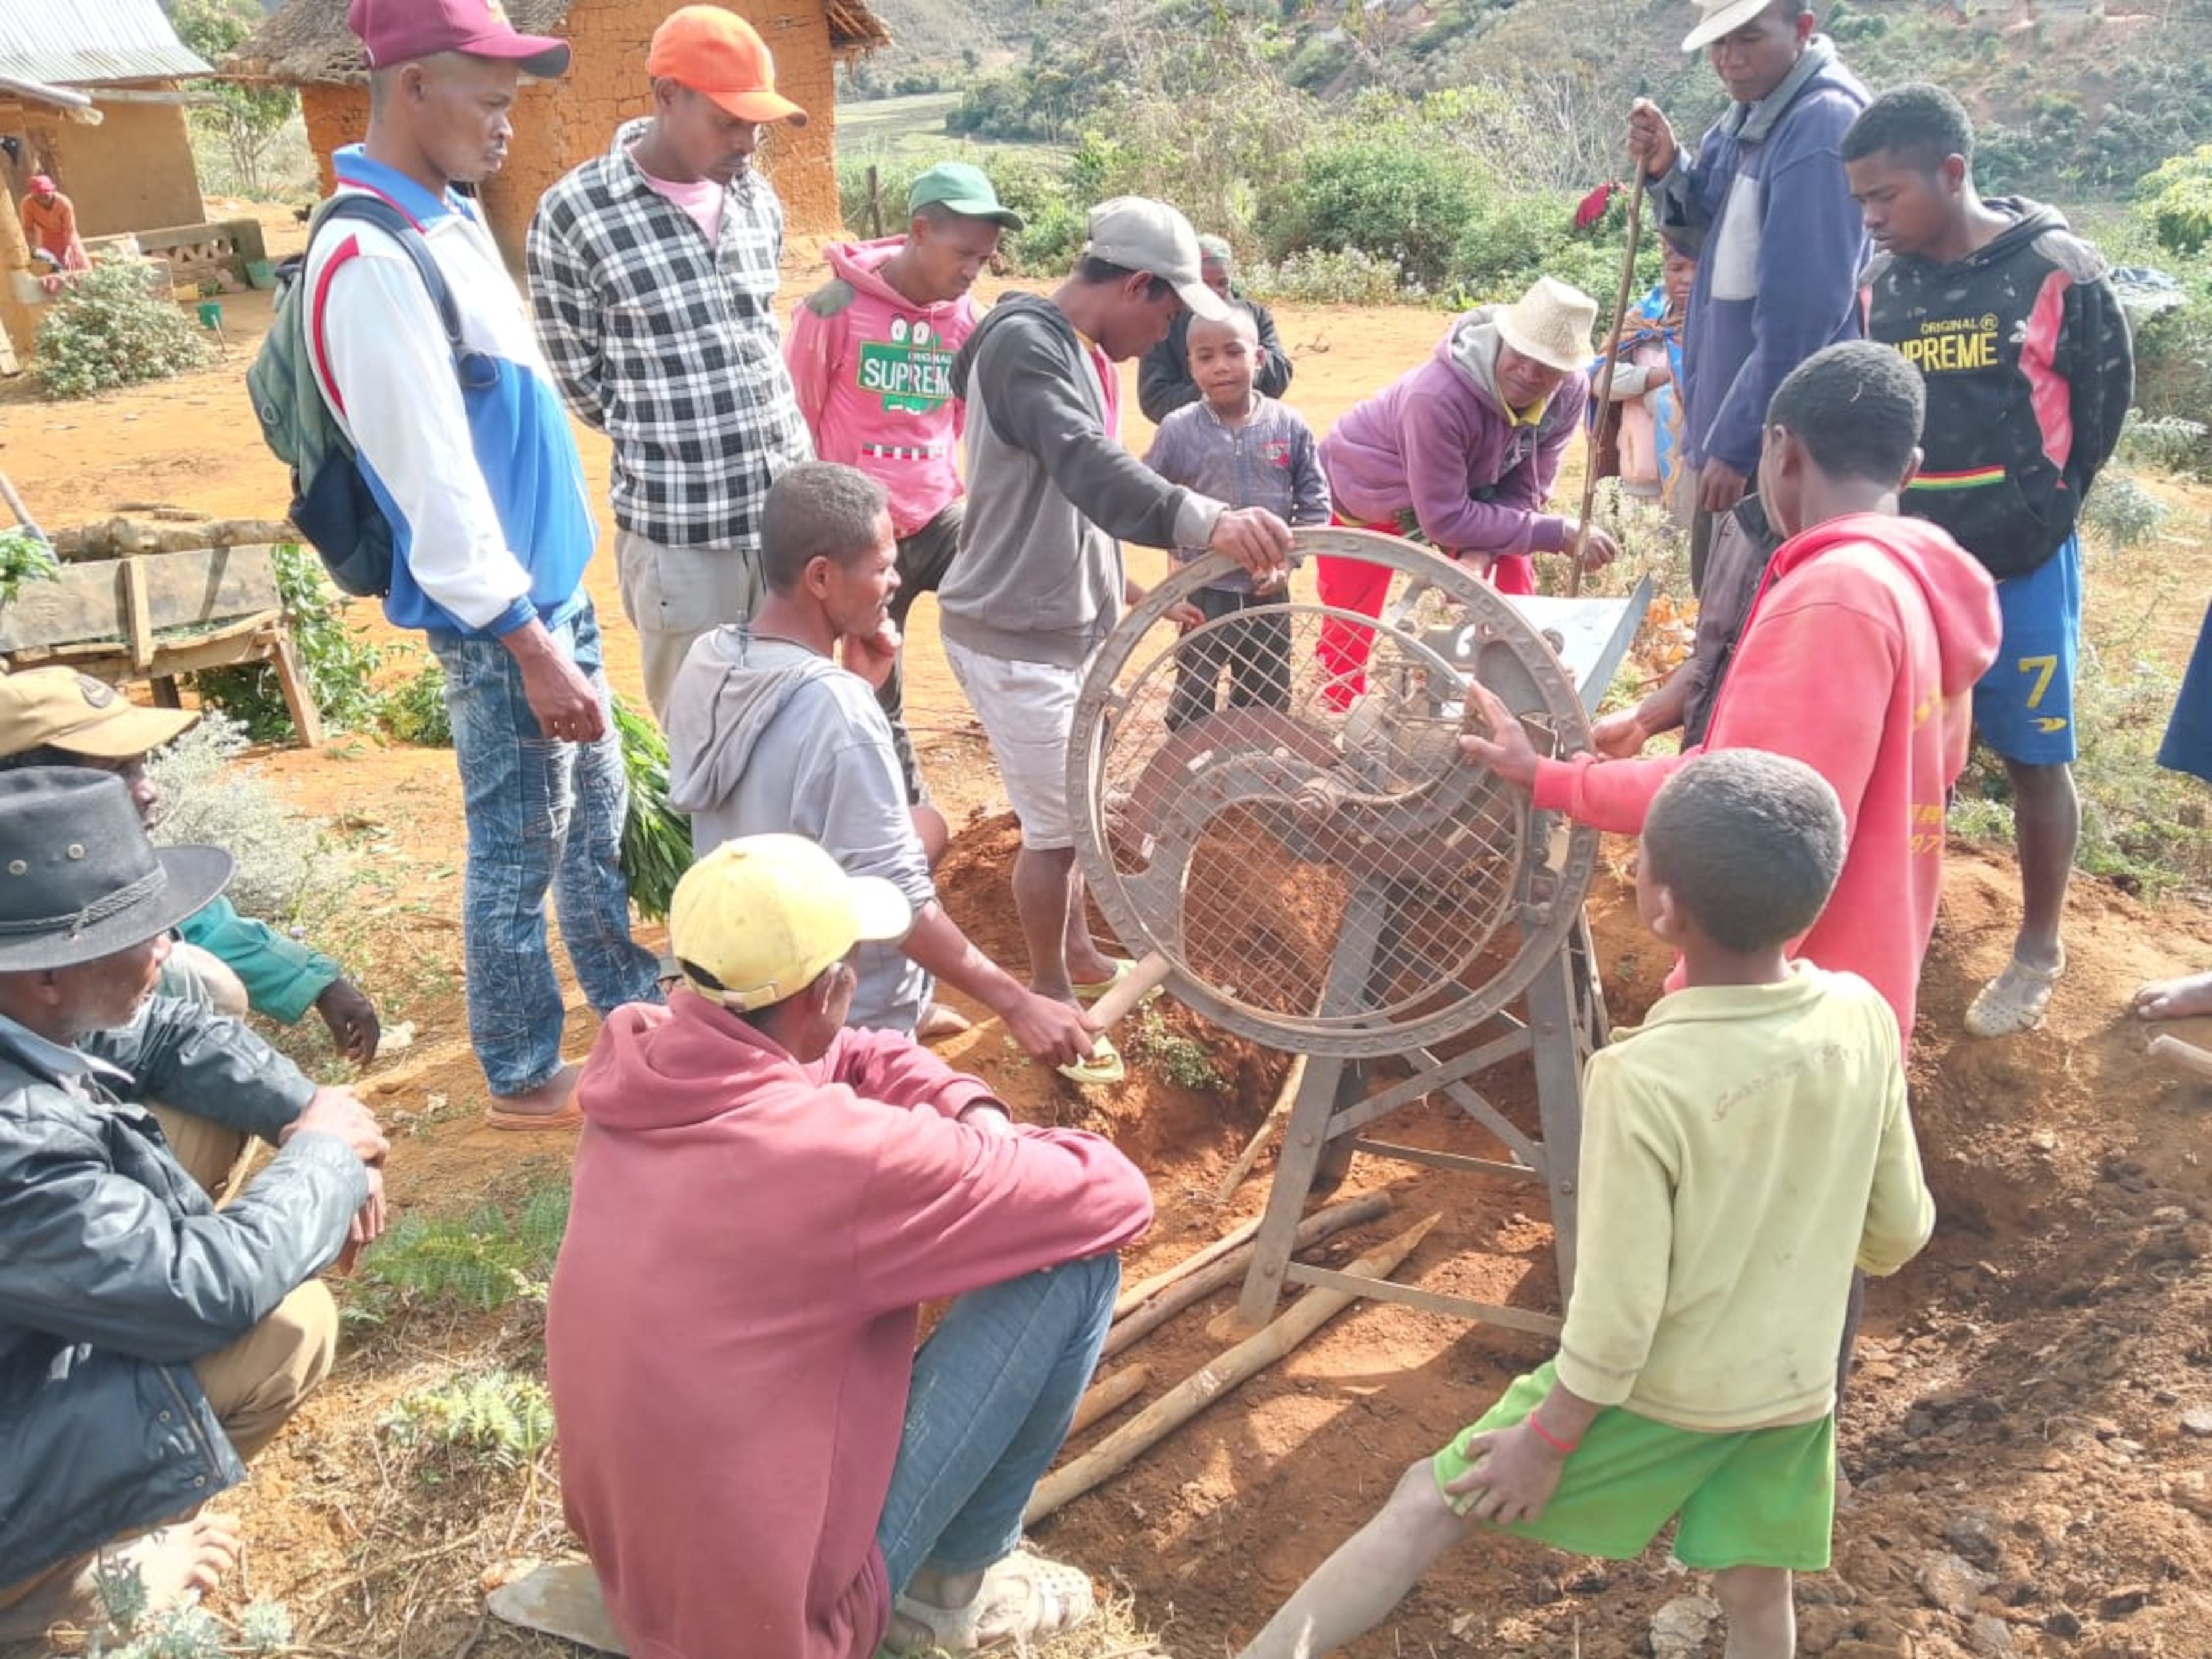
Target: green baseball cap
x=965 y=191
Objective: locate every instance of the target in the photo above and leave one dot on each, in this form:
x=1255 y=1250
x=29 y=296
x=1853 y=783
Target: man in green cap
x=871 y=355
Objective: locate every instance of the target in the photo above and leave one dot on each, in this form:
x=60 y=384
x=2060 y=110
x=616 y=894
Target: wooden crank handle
x=1147 y=977
x=2187 y=1055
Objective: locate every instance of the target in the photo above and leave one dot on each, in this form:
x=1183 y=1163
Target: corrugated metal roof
x=86 y=42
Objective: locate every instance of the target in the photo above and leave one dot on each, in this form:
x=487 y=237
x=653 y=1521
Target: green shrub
x=2177 y=196
x=487 y=1418
x=112 y=326
x=1512 y=239
x=1311 y=276
x=1379 y=196
x=414 y=710
x=287 y=870
x=484 y=1260
x=24 y=558
x=340 y=664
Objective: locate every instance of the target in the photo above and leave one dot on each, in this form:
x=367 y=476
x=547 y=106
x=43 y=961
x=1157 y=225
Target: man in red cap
x=475 y=466
x=653 y=270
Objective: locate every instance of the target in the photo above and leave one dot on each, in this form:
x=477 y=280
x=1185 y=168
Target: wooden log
x=2187 y=1055
x=1109 y=1395
x=1165 y=1303
x=1147 y=977
x=1144 y=1289
x=1202 y=1388
x=194 y=589
x=1250 y=1155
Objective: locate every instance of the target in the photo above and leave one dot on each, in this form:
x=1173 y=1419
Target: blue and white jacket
x=483 y=486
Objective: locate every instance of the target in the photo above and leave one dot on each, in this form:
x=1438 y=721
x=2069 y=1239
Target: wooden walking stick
x=1605 y=384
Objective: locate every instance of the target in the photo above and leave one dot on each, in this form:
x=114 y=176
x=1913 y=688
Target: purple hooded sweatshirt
x=1439 y=441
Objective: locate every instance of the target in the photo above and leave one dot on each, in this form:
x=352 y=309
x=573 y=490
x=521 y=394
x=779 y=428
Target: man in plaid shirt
x=652 y=268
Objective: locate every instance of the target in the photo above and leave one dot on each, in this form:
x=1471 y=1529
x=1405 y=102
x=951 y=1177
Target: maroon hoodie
x=731 y=1324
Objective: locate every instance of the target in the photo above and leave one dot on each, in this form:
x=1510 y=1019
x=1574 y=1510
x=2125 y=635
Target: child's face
x=1224 y=360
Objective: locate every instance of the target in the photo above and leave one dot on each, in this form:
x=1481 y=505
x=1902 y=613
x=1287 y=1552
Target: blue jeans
x=540 y=814
x=994 y=1389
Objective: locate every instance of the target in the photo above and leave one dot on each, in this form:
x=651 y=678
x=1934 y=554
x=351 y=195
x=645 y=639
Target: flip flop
x=570 y=1116
x=2014 y=1001
x=1024 y=1598
x=1103 y=1068
x=1123 y=967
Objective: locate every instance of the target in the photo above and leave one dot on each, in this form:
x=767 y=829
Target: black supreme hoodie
x=2029 y=370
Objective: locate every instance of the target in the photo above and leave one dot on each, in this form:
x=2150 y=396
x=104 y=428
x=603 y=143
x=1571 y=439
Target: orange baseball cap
x=720 y=55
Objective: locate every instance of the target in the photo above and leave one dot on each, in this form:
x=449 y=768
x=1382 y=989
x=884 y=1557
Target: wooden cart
x=160 y=607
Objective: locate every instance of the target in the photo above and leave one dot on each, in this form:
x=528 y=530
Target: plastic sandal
x=1123 y=967
x=1024 y=1598
x=570 y=1116
x=1104 y=1066
x=2014 y=1001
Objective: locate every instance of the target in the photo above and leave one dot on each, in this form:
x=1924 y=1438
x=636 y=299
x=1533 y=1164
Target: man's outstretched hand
x=355 y=1027
x=1507 y=750
x=1257 y=540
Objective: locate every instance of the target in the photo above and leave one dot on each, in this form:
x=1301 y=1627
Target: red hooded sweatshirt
x=1861 y=647
x=731 y=1324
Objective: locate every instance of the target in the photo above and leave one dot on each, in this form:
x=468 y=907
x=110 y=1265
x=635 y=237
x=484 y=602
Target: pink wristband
x=1564 y=1449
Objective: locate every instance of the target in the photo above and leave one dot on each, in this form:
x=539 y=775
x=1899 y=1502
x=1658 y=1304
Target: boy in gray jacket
x=1040 y=580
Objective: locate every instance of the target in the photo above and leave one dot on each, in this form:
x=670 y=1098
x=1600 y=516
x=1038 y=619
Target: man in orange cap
x=653 y=270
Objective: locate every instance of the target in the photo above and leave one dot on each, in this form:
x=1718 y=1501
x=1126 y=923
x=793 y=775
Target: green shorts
x=1763 y=1497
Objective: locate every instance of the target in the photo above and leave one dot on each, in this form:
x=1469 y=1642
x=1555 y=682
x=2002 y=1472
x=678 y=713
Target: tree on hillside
x=244 y=120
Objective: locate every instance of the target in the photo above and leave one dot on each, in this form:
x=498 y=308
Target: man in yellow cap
x=756 y=1457
x=652 y=268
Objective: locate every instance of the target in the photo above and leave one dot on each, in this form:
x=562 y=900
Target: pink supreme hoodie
x=874 y=376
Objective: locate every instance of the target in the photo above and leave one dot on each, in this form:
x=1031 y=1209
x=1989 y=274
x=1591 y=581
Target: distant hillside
x=2078 y=97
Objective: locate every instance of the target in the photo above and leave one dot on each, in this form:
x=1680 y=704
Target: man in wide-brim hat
x=149 y=1341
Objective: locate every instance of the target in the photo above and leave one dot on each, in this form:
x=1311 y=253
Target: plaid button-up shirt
x=668 y=344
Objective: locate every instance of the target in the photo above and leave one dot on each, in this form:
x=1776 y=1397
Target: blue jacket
x=118 y=1272
x=1779 y=243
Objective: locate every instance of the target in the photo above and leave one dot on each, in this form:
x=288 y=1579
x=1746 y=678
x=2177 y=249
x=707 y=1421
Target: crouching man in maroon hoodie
x=755 y=1456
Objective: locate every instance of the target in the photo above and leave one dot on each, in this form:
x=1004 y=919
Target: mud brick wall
x=335 y=117
x=133 y=171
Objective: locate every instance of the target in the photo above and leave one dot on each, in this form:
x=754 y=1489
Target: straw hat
x=1551 y=323
x=1717 y=17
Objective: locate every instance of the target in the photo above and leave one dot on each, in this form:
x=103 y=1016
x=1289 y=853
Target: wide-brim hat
x=78 y=878
x=1551 y=324
x=1717 y=17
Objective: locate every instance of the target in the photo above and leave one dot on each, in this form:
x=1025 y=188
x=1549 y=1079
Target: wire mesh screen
x=1279 y=806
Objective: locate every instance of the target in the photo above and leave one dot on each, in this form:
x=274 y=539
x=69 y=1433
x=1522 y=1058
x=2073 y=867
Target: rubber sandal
x=1123 y=967
x=1103 y=1068
x=570 y=1116
x=2014 y=1001
x=1025 y=1598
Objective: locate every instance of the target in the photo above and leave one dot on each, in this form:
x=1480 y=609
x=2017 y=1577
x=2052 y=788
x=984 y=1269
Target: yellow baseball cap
x=61 y=708
x=758 y=919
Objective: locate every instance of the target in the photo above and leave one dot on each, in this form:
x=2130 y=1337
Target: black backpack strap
x=375 y=210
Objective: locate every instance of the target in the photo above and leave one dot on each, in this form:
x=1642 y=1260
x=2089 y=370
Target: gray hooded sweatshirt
x=768 y=738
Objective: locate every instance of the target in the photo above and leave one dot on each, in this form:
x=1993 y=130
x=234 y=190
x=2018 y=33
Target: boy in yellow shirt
x=1743 y=1150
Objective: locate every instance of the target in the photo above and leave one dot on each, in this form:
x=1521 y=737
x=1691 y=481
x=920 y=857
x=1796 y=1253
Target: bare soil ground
x=2025 y=1396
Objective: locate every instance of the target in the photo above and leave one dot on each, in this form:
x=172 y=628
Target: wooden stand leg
x=299 y=696
x=1552 y=1015
x=1304 y=1140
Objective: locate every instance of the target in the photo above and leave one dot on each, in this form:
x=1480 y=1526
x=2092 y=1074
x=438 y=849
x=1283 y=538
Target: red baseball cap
x=401 y=31
x=719 y=55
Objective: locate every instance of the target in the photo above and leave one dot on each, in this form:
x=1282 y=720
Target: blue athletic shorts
x=2024 y=706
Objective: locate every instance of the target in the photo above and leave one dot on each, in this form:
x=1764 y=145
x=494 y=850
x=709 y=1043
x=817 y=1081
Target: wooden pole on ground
x=1202 y=1388
x=1144 y=1289
x=1165 y=1303
x=1581 y=544
x=1280 y=1110
x=1109 y=1395
x=2187 y=1055
x=875 y=203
